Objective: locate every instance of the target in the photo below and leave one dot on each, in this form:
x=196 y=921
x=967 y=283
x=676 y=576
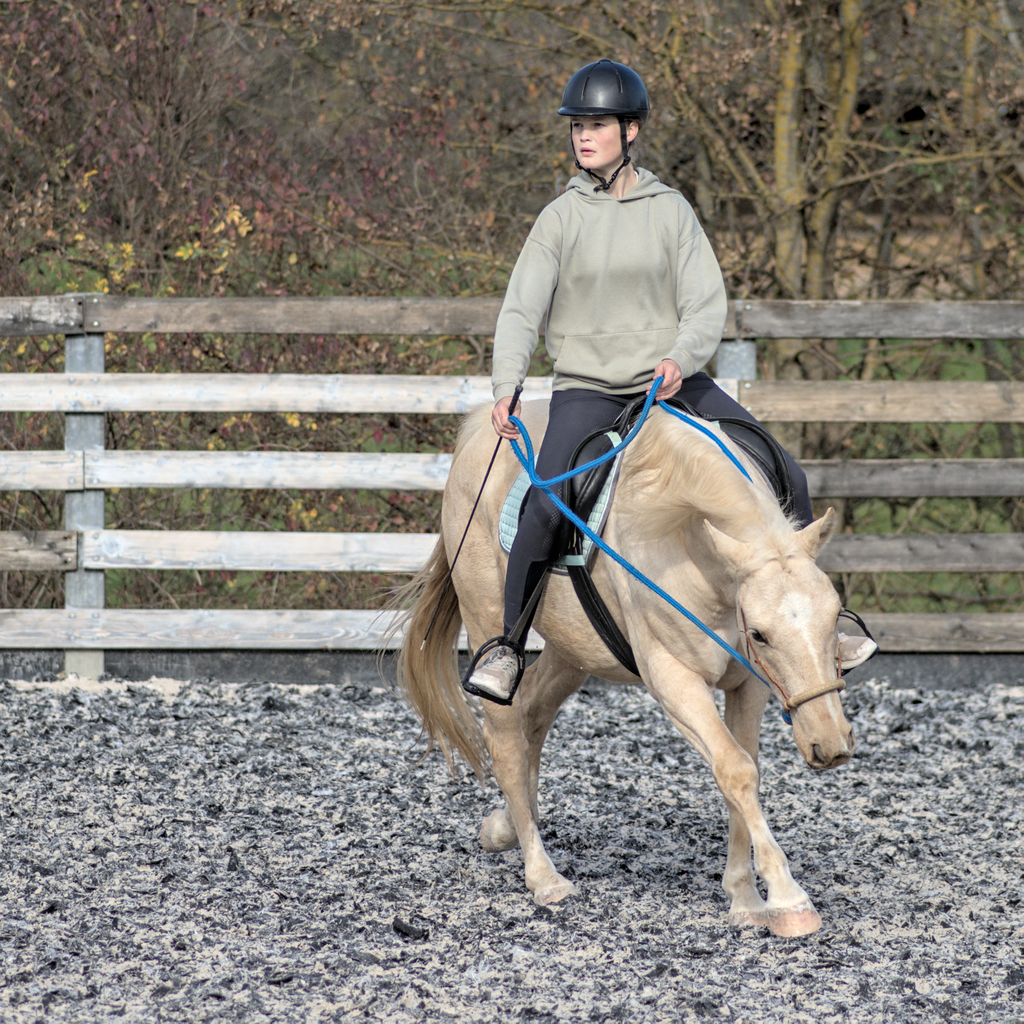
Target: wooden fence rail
x=748 y=318
x=86 y=550
x=778 y=401
x=827 y=478
x=405 y=552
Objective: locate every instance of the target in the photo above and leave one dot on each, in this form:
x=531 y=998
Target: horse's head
x=786 y=611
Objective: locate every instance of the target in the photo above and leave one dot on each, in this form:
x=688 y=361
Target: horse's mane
x=681 y=477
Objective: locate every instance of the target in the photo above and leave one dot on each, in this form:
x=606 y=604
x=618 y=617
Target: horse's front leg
x=744 y=707
x=689 y=703
x=515 y=737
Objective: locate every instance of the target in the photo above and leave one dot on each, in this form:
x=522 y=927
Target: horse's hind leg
x=515 y=737
x=545 y=686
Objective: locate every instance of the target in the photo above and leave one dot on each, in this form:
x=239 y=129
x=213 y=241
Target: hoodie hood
x=647 y=185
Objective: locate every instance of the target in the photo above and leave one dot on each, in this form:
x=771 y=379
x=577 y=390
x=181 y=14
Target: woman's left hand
x=669 y=369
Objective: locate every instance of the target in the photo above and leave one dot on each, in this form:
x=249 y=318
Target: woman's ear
x=632 y=131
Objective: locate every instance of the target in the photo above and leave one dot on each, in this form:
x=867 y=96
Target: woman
x=630 y=289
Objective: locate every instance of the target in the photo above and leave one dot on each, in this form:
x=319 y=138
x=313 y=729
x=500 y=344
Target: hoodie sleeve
x=527 y=300
x=701 y=301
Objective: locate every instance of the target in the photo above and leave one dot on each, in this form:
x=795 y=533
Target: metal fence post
x=737 y=360
x=84 y=510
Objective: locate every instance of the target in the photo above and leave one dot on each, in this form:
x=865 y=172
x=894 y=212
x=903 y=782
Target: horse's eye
x=758 y=637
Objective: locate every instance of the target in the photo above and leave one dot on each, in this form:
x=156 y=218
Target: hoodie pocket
x=620 y=360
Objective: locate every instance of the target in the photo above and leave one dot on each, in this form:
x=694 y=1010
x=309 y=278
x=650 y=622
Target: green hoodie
x=621 y=283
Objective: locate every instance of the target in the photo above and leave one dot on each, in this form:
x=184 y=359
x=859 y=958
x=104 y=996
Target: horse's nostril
x=819 y=757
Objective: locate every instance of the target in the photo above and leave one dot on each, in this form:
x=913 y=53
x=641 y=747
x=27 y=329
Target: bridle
x=789 y=703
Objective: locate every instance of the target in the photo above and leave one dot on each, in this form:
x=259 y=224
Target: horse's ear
x=734 y=552
x=815 y=536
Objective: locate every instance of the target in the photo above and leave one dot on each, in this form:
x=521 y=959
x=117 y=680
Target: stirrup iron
x=485 y=648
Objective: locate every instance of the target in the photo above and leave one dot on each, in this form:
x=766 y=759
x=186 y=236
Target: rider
x=619 y=276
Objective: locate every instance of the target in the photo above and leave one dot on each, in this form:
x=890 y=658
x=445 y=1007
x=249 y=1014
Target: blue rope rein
x=528 y=461
x=708 y=433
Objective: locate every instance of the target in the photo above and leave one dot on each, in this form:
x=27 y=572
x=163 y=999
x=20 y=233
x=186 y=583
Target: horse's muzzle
x=823 y=757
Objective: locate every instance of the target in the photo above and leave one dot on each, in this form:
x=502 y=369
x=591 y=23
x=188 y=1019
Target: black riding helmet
x=606 y=88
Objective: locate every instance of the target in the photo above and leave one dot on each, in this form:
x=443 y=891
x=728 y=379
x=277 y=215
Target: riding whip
x=451 y=568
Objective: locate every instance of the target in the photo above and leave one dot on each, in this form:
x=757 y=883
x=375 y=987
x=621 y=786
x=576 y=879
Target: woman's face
x=598 y=143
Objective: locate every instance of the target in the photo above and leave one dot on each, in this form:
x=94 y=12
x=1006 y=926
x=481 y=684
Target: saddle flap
x=584 y=489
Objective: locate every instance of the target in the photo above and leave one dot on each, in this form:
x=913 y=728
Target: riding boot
x=854 y=650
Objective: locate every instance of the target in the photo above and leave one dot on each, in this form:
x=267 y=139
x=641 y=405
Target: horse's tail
x=428 y=672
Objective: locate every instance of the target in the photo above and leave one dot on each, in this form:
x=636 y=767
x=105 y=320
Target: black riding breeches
x=575 y=413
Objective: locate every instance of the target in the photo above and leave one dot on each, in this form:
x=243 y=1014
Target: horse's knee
x=738 y=778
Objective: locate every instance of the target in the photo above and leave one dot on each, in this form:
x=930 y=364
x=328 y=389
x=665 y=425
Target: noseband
x=789 y=703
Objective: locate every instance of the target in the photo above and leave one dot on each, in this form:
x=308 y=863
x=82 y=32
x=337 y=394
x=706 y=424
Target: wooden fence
x=84 y=471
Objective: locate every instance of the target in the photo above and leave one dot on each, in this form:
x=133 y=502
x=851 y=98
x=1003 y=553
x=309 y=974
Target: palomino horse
x=689 y=520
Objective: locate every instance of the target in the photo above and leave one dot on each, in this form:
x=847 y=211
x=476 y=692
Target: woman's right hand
x=503 y=427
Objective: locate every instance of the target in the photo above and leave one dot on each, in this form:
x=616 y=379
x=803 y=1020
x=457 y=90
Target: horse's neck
x=684 y=562
x=676 y=482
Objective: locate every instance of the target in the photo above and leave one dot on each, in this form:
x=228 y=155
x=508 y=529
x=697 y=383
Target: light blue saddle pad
x=508 y=523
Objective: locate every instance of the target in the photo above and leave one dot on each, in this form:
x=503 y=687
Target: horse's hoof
x=748 y=919
x=794 y=921
x=497 y=834
x=553 y=893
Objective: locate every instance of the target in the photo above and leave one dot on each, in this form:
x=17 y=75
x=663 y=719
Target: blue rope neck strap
x=528 y=461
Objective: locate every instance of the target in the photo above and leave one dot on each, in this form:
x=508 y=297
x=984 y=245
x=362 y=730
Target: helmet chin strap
x=605 y=184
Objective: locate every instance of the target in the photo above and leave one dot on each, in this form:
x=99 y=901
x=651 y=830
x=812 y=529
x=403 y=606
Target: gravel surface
x=211 y=852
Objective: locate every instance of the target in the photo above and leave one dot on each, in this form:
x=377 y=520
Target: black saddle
x=752 y=438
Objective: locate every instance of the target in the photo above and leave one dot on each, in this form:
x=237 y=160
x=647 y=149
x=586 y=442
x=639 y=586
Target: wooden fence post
x=84 y=510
